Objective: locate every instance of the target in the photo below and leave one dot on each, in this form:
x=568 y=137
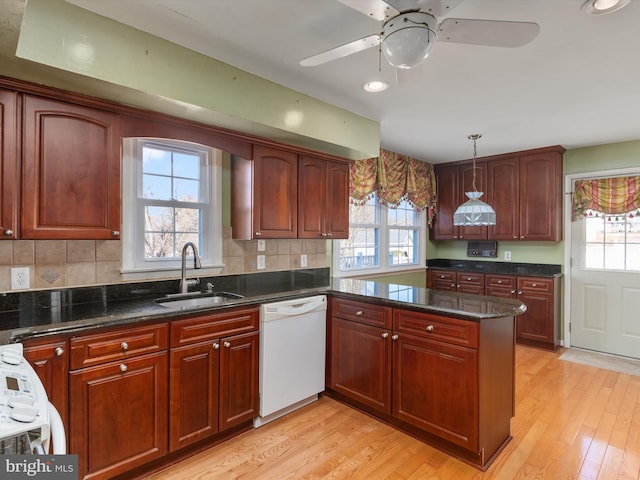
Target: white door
x=605 y=285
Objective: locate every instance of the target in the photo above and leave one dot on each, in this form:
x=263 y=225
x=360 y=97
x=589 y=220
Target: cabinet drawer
x=375 y=315
x=471 y=278
x=443 y=276
x=501 y=281
x=117 y=345
x=207 y=327
x=536 y=284
x=450 y=330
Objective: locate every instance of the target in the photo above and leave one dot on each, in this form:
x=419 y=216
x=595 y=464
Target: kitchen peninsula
x=439 y=365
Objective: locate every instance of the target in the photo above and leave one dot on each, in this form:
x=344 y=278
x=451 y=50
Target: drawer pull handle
x=385 y=335
x=115 y=233
x=441 y=276
x=216 y=346
x=534 y=284
x=258 y=234
x=359 y=313
x=513 y=291
x=519 y=292
x=453 y=285
x=123 y=367
x=429 y=328
x=499 y=282
x=394 y=337
x=59 y=351
x=227 y=344
x=468 y=279
x=124 y=346
x=8 y=232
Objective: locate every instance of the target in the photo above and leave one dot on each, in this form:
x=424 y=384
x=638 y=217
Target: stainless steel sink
x=182 y=302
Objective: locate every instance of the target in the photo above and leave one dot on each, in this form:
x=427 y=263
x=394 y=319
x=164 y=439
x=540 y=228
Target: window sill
x=164 y=273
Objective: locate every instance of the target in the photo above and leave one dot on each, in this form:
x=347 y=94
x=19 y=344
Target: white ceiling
x=577 y=84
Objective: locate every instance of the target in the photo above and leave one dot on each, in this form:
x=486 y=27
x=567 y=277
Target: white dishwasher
x=292 y=355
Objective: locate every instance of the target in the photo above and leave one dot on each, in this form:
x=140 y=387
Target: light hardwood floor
x=572 y=422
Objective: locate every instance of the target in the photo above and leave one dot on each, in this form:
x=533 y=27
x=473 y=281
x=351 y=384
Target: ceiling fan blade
x=376 y=9
x=341 y=51
x=438 y=8
x=493 y=33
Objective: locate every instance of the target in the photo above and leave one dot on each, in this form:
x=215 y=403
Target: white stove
x=28 y=421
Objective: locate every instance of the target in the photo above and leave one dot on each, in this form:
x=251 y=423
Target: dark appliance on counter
x=485 y=249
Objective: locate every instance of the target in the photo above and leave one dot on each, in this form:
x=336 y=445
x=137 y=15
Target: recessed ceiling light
x=375 y=86
x=598 y=7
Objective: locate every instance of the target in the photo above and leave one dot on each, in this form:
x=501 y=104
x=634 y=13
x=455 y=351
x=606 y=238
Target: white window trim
x=132 y=245
x=384 y=267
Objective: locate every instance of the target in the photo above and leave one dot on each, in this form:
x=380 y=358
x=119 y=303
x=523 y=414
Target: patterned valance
x=393 y=178
x=605 y=195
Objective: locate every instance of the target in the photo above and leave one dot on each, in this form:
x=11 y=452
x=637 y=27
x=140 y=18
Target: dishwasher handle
x=298 y=308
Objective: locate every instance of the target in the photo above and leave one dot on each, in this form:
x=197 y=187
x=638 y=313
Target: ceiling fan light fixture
x=408 y=39
x=599 y=7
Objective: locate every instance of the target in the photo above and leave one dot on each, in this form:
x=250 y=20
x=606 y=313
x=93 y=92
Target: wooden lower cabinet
x=49 y=357
x=446 y=380
x=118 y=415
x=361 y=363
x=214 y=378
x=422 y=367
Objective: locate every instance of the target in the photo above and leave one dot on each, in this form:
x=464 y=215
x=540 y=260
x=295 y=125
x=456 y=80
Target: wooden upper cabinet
x=265 y=194
x=503 y=195
x=447 y=182
x=323 y=198
x=70 y=172
x=541 y=196
x=8 y=165
x=452 y=182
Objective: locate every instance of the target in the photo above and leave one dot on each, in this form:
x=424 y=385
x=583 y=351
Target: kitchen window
x=381 y=239
x=171 y=195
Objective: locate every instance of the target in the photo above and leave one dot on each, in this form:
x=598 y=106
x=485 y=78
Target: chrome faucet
x=184 y=283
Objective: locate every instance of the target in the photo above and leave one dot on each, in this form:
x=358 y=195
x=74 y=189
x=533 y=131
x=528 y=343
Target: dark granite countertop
x=500 y=268
x=42 y=313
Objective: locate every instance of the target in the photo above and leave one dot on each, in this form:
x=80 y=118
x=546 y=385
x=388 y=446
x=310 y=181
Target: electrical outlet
x=260 y=265
x=20 y=278
x=507 y=255
x=261 y=246
x=303 y=260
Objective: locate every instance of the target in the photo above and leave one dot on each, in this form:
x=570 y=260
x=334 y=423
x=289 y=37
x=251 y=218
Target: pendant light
x=474 y=212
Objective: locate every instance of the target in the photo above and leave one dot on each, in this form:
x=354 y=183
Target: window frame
x=384 y=266
x=134 y=264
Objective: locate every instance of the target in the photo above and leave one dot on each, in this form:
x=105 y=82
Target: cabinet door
x=51 y=362
x=337 y=200
x=71 y=171
x=465 y=173
x=239 y=382
x=536 y=325
x=118 y=415
x=312 y=197
x=361 y=363
x=504 y=196
x=275 y=199
x=540 y=196
x=447 y=181
x=193 y=400
x=435 y=388
x=8 y=165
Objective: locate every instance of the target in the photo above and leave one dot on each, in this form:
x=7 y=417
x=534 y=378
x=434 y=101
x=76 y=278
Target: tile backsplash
x=76 y=263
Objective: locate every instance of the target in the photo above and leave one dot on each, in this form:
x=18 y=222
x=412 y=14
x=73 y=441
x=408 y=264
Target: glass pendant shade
x=474 y=212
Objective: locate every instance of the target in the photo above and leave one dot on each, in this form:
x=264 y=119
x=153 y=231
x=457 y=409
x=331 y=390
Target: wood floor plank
x=572 y=422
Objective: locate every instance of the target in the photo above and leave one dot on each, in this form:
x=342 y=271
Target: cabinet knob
x=521 y=237
x=227 y=344
x=329 y=234
x=257 y=234
x=59 y=351
x=519 y=292
x=468 y=279
x=499 y=282
x=123 y=367
x=453 y=285
x=124 y=346
x=323 y=234
x=513 y=291
x=441 y=276
x=429 y=328
x=515 y=236
x=534 y=284
x=394 y=337
x=115 y=233
x=359 y=313
x=216 y=346
x=8 y=232
x=385 y=335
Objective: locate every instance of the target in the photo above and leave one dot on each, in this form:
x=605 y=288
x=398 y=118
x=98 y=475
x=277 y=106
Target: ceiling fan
x=410 y=30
